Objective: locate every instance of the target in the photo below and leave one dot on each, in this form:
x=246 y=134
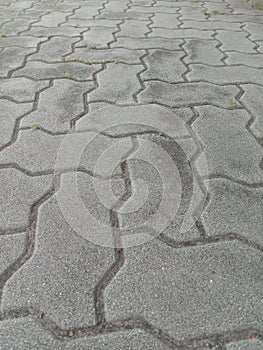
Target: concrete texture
x=131 y=136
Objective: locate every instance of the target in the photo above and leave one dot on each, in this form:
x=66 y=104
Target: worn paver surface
x=131 y=165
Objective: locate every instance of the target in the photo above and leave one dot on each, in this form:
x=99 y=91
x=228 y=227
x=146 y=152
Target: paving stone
x=124 y=120
x=181 y=95
x=14 y=186
x=66 y=291
x=172 y=4
x=148 y=43
x=65 y=31
x=260 y=48
x=16 y=26
x=110 y=55
x=163 y=187
x=165 y=66
x=117 y=83
x=251 y=99
x=225 y=75
x=193 y=13
x=11 y=248
x=245 y=345
x=235 y=41
x=12 y=58
x=21 y=41
x=26 y=331
x=52 y=19
x=117 y=5
x=181 y=33
x=42 y=70
x=97 y=36
x=84 y=23
x=166 y=20
x=203 y=51
x=220 y=280
x=133 y=28
x=58 y=105
x=54 y=49
x=37 y=151
x=9 y=112
x=205 y=25
x=152 y=9
x=228 y=145
x=124 y=15
x=21 y=89
x=234 y=209
x=232 y=18
x=86 y=12
x=255 y=29
x=247 y=59
x=221 y=7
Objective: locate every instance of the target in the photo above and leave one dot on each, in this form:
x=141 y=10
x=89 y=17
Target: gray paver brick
x=11 y=248
x=66 y=291
x=86 y=12
x=65 y=31
x=14 y=186
x=148 y=43
x=41 y=70
x=133 y=28
x=21 y=89
x=228 y=145
x=181 y=33
x=235 y=41
x=54 y=49
x=199 y=281
x=98 y=36
x=84 y=23
x=152 y=9
x=99 y=56
x=245 y=345
x=252 y=100
x=166 y=20
x=9 y=112
x=58 y=105
x=215 y=25
x=180 y=95
x=255 y=29
x=37 y=151
x=115 y=5
x=124 y=15
x=117 y=83
x=237 y=18
x=52 y=19
x=28 y=332
x=12 y=58
x=164 y=65
x=226 y=74
x=234 y=209
x=247 y=59
x=203 y=51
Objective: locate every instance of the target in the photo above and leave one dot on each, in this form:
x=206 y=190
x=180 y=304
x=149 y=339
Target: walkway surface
x=131 y=190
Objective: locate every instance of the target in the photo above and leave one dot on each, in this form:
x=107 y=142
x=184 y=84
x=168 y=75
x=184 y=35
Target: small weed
x=66 y=75
x=77 y=25
x=116 y=60
x=49 y=37
x=114 y=102
x=215 y=12
x=33 y=126
x=232 y=102
x=91 y=46
x=162 y=47
x=81 y=78
x=105 y=60
x=88 y=62
x=2 y=35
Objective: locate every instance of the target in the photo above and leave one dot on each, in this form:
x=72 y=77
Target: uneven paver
x=131 y=201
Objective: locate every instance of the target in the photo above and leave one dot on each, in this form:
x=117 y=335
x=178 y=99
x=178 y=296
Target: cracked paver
x=131 y=169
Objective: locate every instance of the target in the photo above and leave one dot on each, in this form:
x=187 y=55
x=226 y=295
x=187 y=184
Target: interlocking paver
x=117 y=83
x=235 y=41
x=251 y=100
x=180 y=95
x=225 y=75
x=223 y=135
x=15 y=185
x=121 y=121
x=27 y=331
x=234 y=209
x=9 y=113
x=11 y=248
x=66 y=291
x=202 y=51
x=58 y=105
x=192 y=282
x=42 y=70
x=164 y=65
x=148 y=43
